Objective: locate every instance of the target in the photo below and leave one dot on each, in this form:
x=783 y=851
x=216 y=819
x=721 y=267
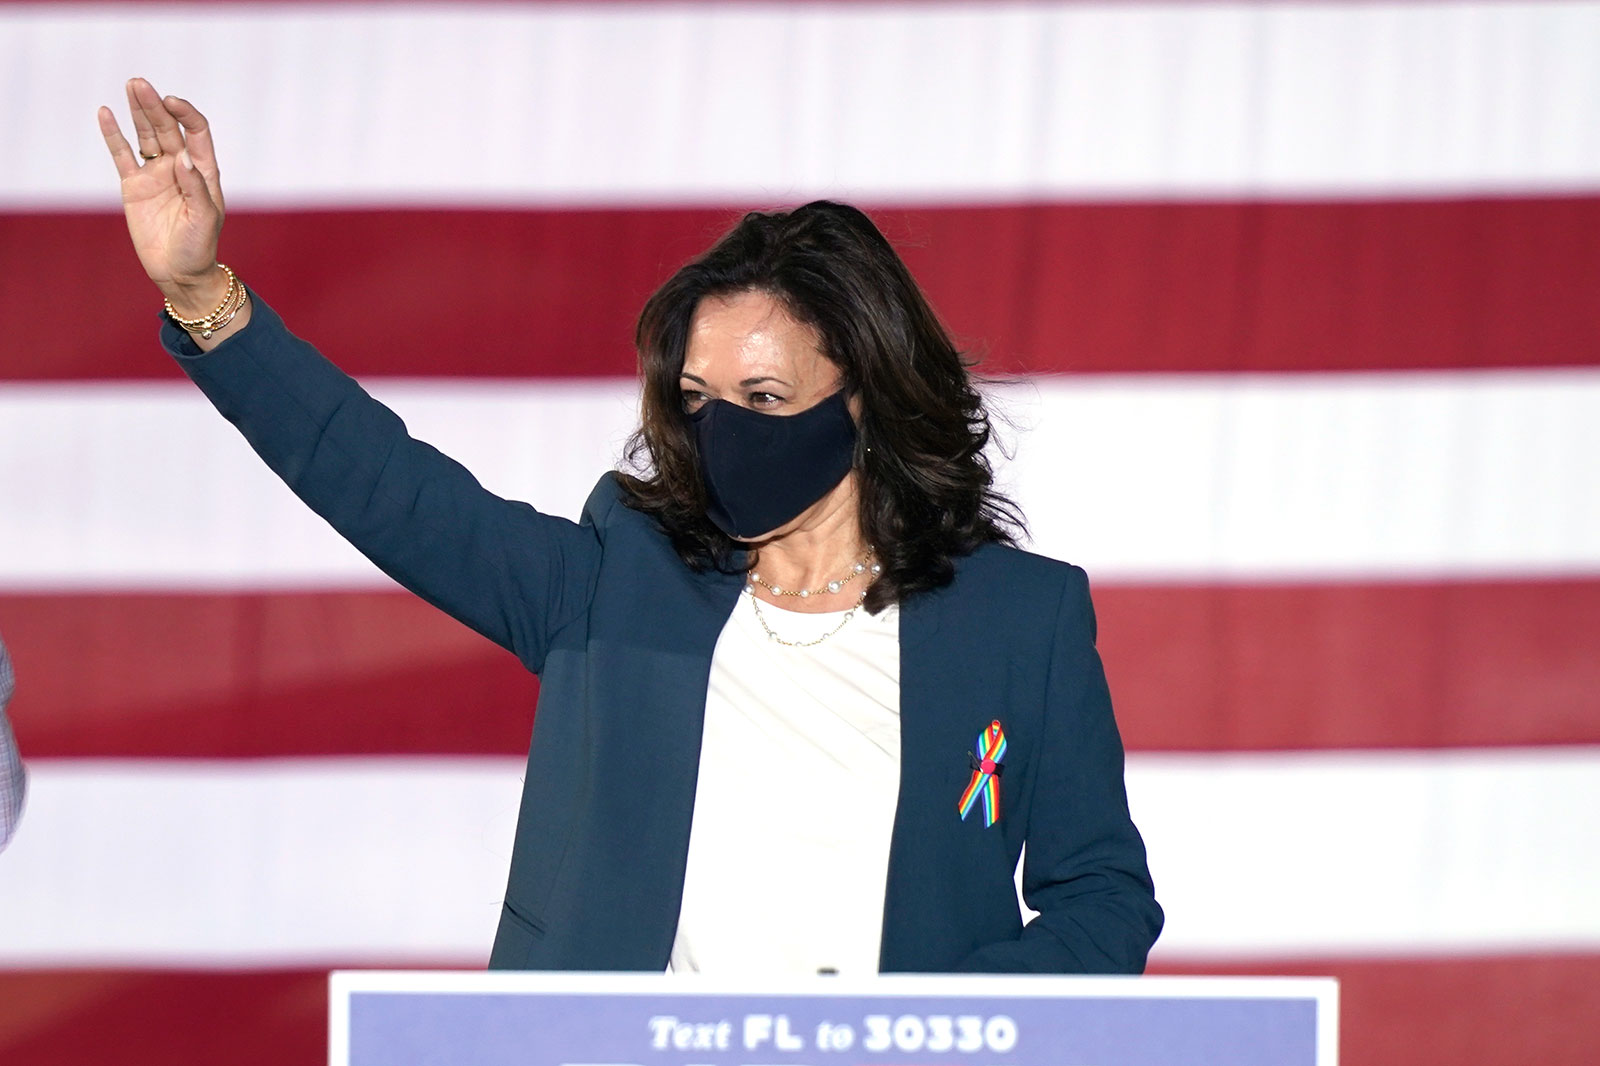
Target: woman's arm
x=1084 y=867
x=511 y=573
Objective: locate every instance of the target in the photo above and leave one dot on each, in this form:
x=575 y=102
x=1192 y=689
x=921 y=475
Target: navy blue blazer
x=621 y=633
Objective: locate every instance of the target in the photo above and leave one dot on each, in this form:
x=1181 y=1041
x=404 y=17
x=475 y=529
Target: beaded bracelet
x=233 y=302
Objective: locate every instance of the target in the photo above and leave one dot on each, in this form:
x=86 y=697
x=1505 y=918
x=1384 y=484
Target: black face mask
x=762 y=470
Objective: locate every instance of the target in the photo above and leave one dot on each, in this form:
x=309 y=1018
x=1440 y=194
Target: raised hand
x=171 y=195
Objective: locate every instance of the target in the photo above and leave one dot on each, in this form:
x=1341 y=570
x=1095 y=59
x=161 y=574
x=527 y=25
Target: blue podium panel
x=388 y=1018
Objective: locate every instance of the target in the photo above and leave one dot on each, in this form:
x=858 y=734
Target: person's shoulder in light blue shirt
x=13 y=779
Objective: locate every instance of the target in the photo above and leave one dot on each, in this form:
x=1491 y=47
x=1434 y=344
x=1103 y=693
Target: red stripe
x=1502 y=1011
x=1496 y=1011
x=1424 y=665
x=1191 y=668
x=1047 y=287
x=259 y=674
x=65 y=1018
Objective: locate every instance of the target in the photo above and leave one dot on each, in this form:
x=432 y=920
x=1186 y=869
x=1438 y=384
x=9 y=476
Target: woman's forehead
x=751 y=334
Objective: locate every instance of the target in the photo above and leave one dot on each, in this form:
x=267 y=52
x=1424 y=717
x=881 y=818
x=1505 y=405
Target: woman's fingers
x=121 y=153
x=193 y=186
x=163 y=129
x=197 y=138
x=144 y=130
x=171 y=126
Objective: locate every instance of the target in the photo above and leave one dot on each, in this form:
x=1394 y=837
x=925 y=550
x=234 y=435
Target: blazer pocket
x=515 y=939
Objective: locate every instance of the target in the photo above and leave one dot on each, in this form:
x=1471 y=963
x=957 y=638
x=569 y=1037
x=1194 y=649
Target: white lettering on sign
x=835 y=1036
x=937 y=1033
x=761 y=1029
x=906 y=1034
x=667 y=1031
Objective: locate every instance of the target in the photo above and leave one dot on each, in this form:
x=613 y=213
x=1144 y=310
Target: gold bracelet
x=222 y=320
x=226 y=296
x=233 y=302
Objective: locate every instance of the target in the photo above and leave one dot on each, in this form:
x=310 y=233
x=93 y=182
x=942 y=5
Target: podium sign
x=388 y=1018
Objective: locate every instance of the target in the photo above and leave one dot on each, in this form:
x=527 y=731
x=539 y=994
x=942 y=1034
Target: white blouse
x=799 y=775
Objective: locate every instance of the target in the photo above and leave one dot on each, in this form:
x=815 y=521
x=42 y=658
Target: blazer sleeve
x=1084 y=867
x=509 y=572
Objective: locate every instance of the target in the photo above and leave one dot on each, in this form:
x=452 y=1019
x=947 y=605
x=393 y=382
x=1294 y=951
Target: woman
x=801 y=702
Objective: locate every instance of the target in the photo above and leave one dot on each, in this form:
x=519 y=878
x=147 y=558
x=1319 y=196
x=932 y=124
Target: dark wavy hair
x=926 y=488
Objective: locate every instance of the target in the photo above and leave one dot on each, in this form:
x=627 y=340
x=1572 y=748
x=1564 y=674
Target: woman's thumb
x=190 y=183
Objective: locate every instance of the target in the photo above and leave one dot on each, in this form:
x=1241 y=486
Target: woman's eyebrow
x=745 y=384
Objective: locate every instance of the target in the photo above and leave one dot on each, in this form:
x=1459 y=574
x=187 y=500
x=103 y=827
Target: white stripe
x=1322 y=854
x=1135 y=478
x=633 y=103
x=347 y=861
x=1241 y=477
x=269 y=862
x=144 y=485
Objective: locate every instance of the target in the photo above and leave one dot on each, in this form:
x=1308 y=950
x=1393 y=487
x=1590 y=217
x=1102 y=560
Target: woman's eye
x=693 y=401
x=764 y=399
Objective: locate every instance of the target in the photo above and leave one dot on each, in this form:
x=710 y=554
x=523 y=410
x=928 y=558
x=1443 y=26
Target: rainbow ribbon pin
x=986 y=771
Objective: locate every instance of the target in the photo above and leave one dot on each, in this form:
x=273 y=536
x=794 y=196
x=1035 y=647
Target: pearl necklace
x=863 y=567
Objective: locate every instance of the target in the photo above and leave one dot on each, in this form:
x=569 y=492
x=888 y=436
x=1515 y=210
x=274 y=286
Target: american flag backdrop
x=1304 y=297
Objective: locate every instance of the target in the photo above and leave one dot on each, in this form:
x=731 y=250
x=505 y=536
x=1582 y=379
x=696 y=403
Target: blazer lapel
x=955 y=677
